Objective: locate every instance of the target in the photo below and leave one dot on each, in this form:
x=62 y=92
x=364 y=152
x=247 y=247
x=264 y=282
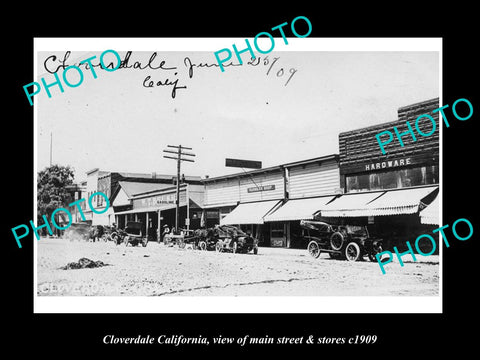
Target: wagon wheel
x=376 y=250
x=202 y=245
x=336 y=240
x=219 y=246
x=313 y=249
x=352 y=251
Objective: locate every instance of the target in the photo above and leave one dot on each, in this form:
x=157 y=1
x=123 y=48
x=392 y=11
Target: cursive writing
x=253 y=62
x=273 y=68
x=49 y=63
x=188 y=63
x=151 y=83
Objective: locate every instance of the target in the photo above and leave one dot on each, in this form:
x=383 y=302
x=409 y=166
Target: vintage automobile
x=199 y=239
x=351 y=242
x=208 y=239
x=231 y=238
x=133 y=234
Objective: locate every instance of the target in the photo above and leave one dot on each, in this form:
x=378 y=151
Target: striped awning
x=299 y=209
x=249 y=213
x=431 y=214
x=349 y=205
x=390 y=202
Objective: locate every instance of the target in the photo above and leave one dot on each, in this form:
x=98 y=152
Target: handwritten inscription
x=253 y=62
x=273 y=68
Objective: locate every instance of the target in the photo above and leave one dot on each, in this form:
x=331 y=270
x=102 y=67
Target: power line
x=179 y=160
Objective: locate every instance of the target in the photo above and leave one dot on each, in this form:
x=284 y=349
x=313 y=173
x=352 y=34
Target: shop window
x=423 y=175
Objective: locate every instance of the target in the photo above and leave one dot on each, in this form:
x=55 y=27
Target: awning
x=249 y=213
x=299 y=209
x=431 y=214
x=390 y=202
x=348 y=205
x=400 y=201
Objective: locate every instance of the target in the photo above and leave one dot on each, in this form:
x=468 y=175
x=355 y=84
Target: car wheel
x=313 y=249
x=145 y=242
x=126 y=241
x=234 y=247
x=352 y=251
x=202 y=245
x=219 y=246
x=336 y=240
x=255 y=250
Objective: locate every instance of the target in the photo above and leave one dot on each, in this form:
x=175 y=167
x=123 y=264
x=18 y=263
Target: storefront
x=270 y=202
x=285 y=221
x=156 y=208
x=243 y=199
x=387 y=192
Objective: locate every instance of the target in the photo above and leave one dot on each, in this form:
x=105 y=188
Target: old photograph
x=305 y=174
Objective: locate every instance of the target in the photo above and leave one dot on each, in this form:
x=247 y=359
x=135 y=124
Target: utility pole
x=179 y=159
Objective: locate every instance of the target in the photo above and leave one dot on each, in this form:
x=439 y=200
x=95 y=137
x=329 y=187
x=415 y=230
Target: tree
x=51 y=190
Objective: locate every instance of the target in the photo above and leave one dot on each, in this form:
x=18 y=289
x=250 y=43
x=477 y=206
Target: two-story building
x=388 y=191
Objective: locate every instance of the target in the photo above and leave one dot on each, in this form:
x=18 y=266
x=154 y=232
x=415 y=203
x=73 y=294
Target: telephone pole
x=179 y=159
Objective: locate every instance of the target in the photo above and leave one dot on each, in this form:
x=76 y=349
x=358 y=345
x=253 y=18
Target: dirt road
x=157 y=270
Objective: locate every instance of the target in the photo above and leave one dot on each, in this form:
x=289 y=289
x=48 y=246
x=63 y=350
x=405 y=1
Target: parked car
x=231 y=238
x=208 y=239
x=351 y=242
x=134 y=235
x=186 y=237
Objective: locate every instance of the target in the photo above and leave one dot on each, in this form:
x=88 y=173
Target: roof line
x=273 y=168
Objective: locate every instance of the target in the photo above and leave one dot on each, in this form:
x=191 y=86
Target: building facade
x=387 y=192
x=154 y=205
x=269 y=203
x=108 y=182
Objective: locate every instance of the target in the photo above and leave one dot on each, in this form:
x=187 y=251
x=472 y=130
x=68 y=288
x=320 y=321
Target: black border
x=422 y=334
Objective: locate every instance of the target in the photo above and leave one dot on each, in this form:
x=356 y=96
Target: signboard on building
x=243 y=163
x=158 y=200
x=261 y=188
x=388 y=164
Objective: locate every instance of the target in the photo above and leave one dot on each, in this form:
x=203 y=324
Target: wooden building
x=270 y=202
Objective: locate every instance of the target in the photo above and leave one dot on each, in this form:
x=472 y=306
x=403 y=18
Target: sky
x=251 y=112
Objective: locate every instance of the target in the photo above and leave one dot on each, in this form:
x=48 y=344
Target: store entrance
x=278 y=234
